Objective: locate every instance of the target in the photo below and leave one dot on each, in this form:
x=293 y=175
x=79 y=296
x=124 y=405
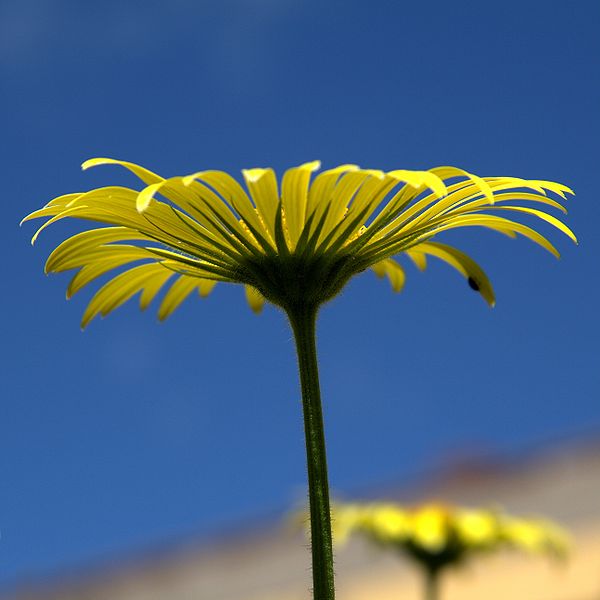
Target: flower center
x=294 y=281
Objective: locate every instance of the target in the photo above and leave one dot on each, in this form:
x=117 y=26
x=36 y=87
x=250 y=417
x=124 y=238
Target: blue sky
x=133 y=433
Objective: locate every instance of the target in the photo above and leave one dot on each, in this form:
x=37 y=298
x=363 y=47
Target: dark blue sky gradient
x=134 y=433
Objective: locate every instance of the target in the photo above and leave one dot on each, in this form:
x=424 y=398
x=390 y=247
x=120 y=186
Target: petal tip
x=90 y=162
x=253 y=175
x=142 y=203
x=93 y=162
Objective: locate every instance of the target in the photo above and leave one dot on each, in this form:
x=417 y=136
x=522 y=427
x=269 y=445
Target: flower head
x=438 y=535
x=297 y=242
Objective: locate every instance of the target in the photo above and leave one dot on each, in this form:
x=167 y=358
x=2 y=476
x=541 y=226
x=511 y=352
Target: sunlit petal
x=297 y=246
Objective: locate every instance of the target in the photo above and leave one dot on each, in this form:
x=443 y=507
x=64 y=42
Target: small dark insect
x=473 y=284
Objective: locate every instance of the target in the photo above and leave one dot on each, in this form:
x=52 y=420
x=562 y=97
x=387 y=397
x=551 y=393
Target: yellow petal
x=418 y=258
x=63 y=214
x=388 y=523
x=418 y=179
x=465 y=265
x=393 y=270
x=324 y=183
x=477 y=527
x=262 y=185
x=233 y=193
x=481 y=184
x=148 y=177
x=205 y=287
x=430 y=528
x=557 y=188
x=294 y=197
x=52 y=208
x=541 y=215
x=497 y=223
x=83 y=242
x=94 y=267
x=118 y=290
x=178 y=292
x=146 y=196
x=538 y=198
x=341 y=195
x=255 y=299
x=152 y=286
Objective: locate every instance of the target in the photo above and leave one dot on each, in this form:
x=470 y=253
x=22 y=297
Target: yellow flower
x=438 y=535
x=294 y=243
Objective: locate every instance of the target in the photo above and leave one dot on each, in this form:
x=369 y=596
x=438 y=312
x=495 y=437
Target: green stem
x=303 y=322
x=432 y=584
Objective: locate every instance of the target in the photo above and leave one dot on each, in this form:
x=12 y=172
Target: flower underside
x=295 y=245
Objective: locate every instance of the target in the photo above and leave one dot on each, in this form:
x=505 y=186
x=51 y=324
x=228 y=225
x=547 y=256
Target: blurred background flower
x=437 y=536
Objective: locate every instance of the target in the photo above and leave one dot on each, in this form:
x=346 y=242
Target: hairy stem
x=303 y=322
